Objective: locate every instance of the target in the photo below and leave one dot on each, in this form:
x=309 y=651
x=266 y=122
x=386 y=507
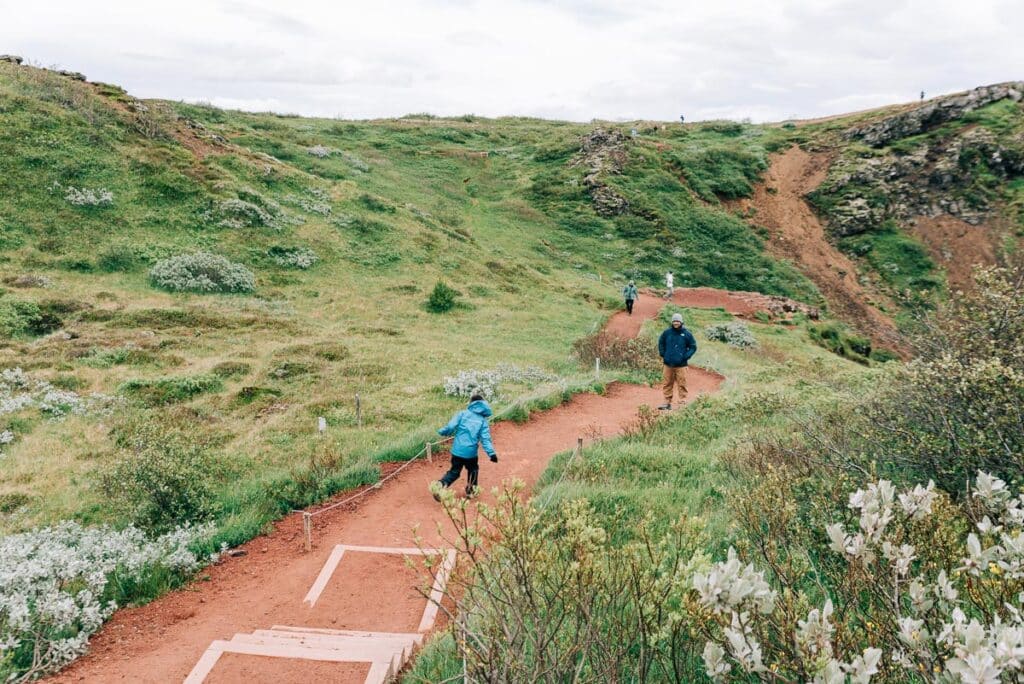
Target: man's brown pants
x=674 y=377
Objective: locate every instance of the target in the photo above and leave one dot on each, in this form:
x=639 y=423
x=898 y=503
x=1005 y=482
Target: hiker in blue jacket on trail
x=469 y=428
x=675 y=346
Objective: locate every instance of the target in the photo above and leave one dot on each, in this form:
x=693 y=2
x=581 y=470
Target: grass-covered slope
x=345 y=227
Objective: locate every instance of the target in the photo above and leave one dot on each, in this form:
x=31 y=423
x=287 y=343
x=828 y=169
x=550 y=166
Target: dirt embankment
x=795 y=233
x=957 y=246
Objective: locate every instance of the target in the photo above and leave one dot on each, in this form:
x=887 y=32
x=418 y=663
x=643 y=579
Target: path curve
x=162 y=641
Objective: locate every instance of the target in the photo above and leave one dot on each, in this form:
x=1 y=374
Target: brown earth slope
x=796 y=234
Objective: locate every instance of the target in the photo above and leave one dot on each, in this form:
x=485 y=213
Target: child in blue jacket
x=470 y=428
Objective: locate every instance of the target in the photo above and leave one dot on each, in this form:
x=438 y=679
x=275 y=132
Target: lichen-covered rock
x=603 y=152
x=948 y=174
x=935 y=112
x=13 y=59
x=74 y=75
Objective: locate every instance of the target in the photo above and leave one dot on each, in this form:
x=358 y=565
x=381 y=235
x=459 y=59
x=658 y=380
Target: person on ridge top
x=469 y=428
x=675 y=346
x=630 y=294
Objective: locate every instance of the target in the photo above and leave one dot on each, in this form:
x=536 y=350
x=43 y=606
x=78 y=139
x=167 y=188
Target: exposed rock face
x=603 y=152
x=75 y=75
x=13 y=59
x=935 y=112
x=951 y=175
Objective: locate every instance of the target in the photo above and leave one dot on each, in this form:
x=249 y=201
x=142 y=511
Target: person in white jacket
x=669 y=285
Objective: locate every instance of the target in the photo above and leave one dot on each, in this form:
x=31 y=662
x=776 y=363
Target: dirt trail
x=162 y=641
x=796 y=233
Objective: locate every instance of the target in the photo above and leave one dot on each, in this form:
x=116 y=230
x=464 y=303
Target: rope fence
x=307 y=517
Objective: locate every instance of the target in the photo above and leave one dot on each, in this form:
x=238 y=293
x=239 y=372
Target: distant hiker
x=669 y=285
x=922 y=94
x=675 y=346
x=630 y=294
x=469 y=428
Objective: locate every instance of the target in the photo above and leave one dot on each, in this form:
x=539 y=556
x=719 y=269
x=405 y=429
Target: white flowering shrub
x=733 y=333
x=240 y=214
x=319 y=151
x=58 y=584
x=944 y=617
x=293 y=257
x=201 y=272
x=316 y=204
x=487 y=382
x=88 y=197
x=21 y=392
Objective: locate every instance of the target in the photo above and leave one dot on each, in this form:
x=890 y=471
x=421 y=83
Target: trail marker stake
x=321 y=425
x=579 y=446
x=359 y=412
x=430 y=452
x=597 y=369
x=307 y=528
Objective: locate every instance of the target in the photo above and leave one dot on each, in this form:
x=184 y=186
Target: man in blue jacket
x=676 y=345
x=470 y=428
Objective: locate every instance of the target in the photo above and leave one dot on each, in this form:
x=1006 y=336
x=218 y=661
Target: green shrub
x=165 y=475
x=442 y=298
x=18 y=317
x=117 y=257
x=201 y=272
x=172 y=390
x=839 y=339
x=231 y=369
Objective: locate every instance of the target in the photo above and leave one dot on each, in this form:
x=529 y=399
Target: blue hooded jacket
x=470 y=428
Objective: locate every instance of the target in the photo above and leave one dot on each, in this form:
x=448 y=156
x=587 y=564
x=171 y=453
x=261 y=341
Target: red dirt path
x=160 y=642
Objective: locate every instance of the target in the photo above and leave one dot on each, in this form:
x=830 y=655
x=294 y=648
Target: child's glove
x=493 y=457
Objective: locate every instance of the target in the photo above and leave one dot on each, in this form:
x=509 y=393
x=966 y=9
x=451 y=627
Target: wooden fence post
x=579 y=447
x=597 y=369
x=307 y=528
x=430 y=452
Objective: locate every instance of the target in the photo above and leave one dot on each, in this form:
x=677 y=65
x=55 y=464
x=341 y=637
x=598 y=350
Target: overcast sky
x=569 y=59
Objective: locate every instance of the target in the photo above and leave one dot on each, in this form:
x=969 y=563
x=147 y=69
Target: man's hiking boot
x=665 y=407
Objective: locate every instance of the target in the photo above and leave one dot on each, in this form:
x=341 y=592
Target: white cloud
x=575 y=59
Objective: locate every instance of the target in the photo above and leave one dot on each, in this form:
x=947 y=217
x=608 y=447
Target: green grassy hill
x=346 y=227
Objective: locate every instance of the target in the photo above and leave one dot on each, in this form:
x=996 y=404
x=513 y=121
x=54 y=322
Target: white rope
x=377 y=484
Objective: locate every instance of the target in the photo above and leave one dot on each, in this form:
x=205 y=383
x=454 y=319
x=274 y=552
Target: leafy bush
x=734 y=333
x=18 y=317
x=959 y=408
x=559 y=600
x=172 y=390
x=486 y=383
x=839 y=339
x=117 y=257
x=231 y=369
x=377 y=204
x=60 y=583
x=202 y=272
x=442 y=298
x=616 y=351
x=165 y=475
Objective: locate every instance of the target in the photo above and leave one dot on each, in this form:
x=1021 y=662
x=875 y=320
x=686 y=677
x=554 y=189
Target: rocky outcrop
x=603 y=152
x=13 y=59
x=951 y=175
x=934 y=113
x=73 y=75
